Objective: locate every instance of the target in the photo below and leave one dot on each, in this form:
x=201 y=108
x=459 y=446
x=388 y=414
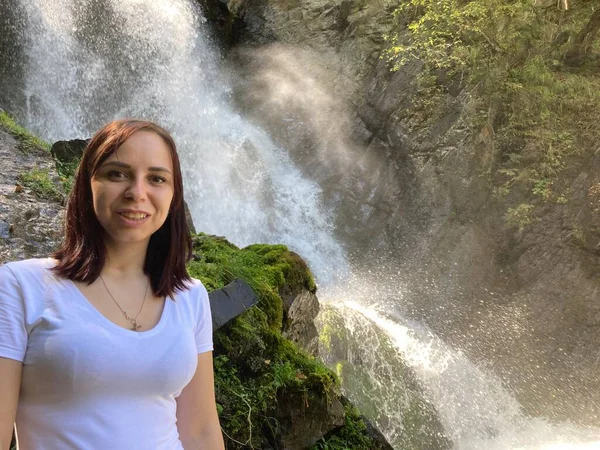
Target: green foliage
x=66 y=172
x=549 y=112
x=352 y=435
x=577 y=235
x=519 y=216
x=254 y=364
x=40 y=182
x=442 y=32
x=509 y=54
x=267 y=268
x=27 y=141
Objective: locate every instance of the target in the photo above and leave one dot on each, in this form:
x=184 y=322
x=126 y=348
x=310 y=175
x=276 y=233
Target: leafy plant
x=520 y=216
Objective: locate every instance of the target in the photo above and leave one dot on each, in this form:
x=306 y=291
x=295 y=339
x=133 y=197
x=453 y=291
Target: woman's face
x=133 y=188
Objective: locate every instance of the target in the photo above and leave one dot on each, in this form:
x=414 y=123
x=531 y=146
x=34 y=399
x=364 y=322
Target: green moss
x=352 y=435
x=254 y=364
x=40 y=182
x=325 y=337
x=27 y=141
x=267 y=268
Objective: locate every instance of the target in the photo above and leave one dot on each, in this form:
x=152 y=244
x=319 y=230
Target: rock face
x=302 y=428
x=348 y=32
x=409 y=192
x=30 y=225
x=301 y=327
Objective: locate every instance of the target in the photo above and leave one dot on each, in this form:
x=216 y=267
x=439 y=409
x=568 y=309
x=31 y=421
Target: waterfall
x=474 y=408
x=90 y=61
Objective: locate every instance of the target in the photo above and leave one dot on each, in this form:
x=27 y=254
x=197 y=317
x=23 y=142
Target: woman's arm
x=10 y=374
x=197 y=419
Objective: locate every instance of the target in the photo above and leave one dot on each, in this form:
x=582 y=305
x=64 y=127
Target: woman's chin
x=123 y=238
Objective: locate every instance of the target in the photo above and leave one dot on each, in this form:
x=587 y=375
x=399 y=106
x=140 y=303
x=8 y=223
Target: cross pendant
x=135 y=326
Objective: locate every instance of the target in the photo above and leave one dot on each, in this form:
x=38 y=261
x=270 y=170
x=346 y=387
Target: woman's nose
x=136 y=190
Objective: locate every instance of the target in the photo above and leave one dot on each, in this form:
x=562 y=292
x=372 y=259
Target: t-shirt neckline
x=118 y=328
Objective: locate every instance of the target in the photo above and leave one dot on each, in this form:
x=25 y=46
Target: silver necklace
x=133 y=320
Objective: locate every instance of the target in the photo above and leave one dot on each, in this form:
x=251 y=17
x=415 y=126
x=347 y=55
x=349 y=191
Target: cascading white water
x=476 y=411
x=89 y=61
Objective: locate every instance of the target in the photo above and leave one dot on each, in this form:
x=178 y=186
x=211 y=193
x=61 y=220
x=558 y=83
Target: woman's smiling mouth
x=134 y=216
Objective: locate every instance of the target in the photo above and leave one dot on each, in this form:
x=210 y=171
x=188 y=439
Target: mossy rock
x=254 y=364
x=267 y=268
x=28 y=142
x=39 y=181
x=355 y=434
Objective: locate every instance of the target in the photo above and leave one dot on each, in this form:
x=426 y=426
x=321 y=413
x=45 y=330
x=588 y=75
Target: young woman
x=108 y=345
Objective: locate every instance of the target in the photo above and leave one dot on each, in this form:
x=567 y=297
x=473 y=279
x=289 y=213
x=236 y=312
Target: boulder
x=68 y=152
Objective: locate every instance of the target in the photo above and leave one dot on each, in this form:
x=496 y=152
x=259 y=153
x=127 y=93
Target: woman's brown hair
x=82 y=254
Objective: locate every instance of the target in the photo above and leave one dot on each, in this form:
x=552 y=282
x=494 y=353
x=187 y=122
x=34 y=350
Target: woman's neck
x=125 y=260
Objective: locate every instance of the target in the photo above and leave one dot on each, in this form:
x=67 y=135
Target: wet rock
x=4 y=230
x=188 y=218
x=416 y=197
x=300 y=326
x=13 y=22
x=304 y=420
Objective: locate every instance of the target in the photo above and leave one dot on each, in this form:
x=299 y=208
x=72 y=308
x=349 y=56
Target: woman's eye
x=157 y=179
x=115 y=174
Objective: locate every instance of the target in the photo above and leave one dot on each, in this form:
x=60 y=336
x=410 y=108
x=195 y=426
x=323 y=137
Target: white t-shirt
x=87 y=382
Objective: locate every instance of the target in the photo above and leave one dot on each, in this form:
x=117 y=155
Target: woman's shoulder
x=28 y=267
x=193 y=288
x=194 y=297
x=31 y=273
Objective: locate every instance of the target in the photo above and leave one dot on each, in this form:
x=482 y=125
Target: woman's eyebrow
x=127 y=166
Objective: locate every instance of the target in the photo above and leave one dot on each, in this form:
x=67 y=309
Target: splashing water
x=476 y=411
x=92 y=61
